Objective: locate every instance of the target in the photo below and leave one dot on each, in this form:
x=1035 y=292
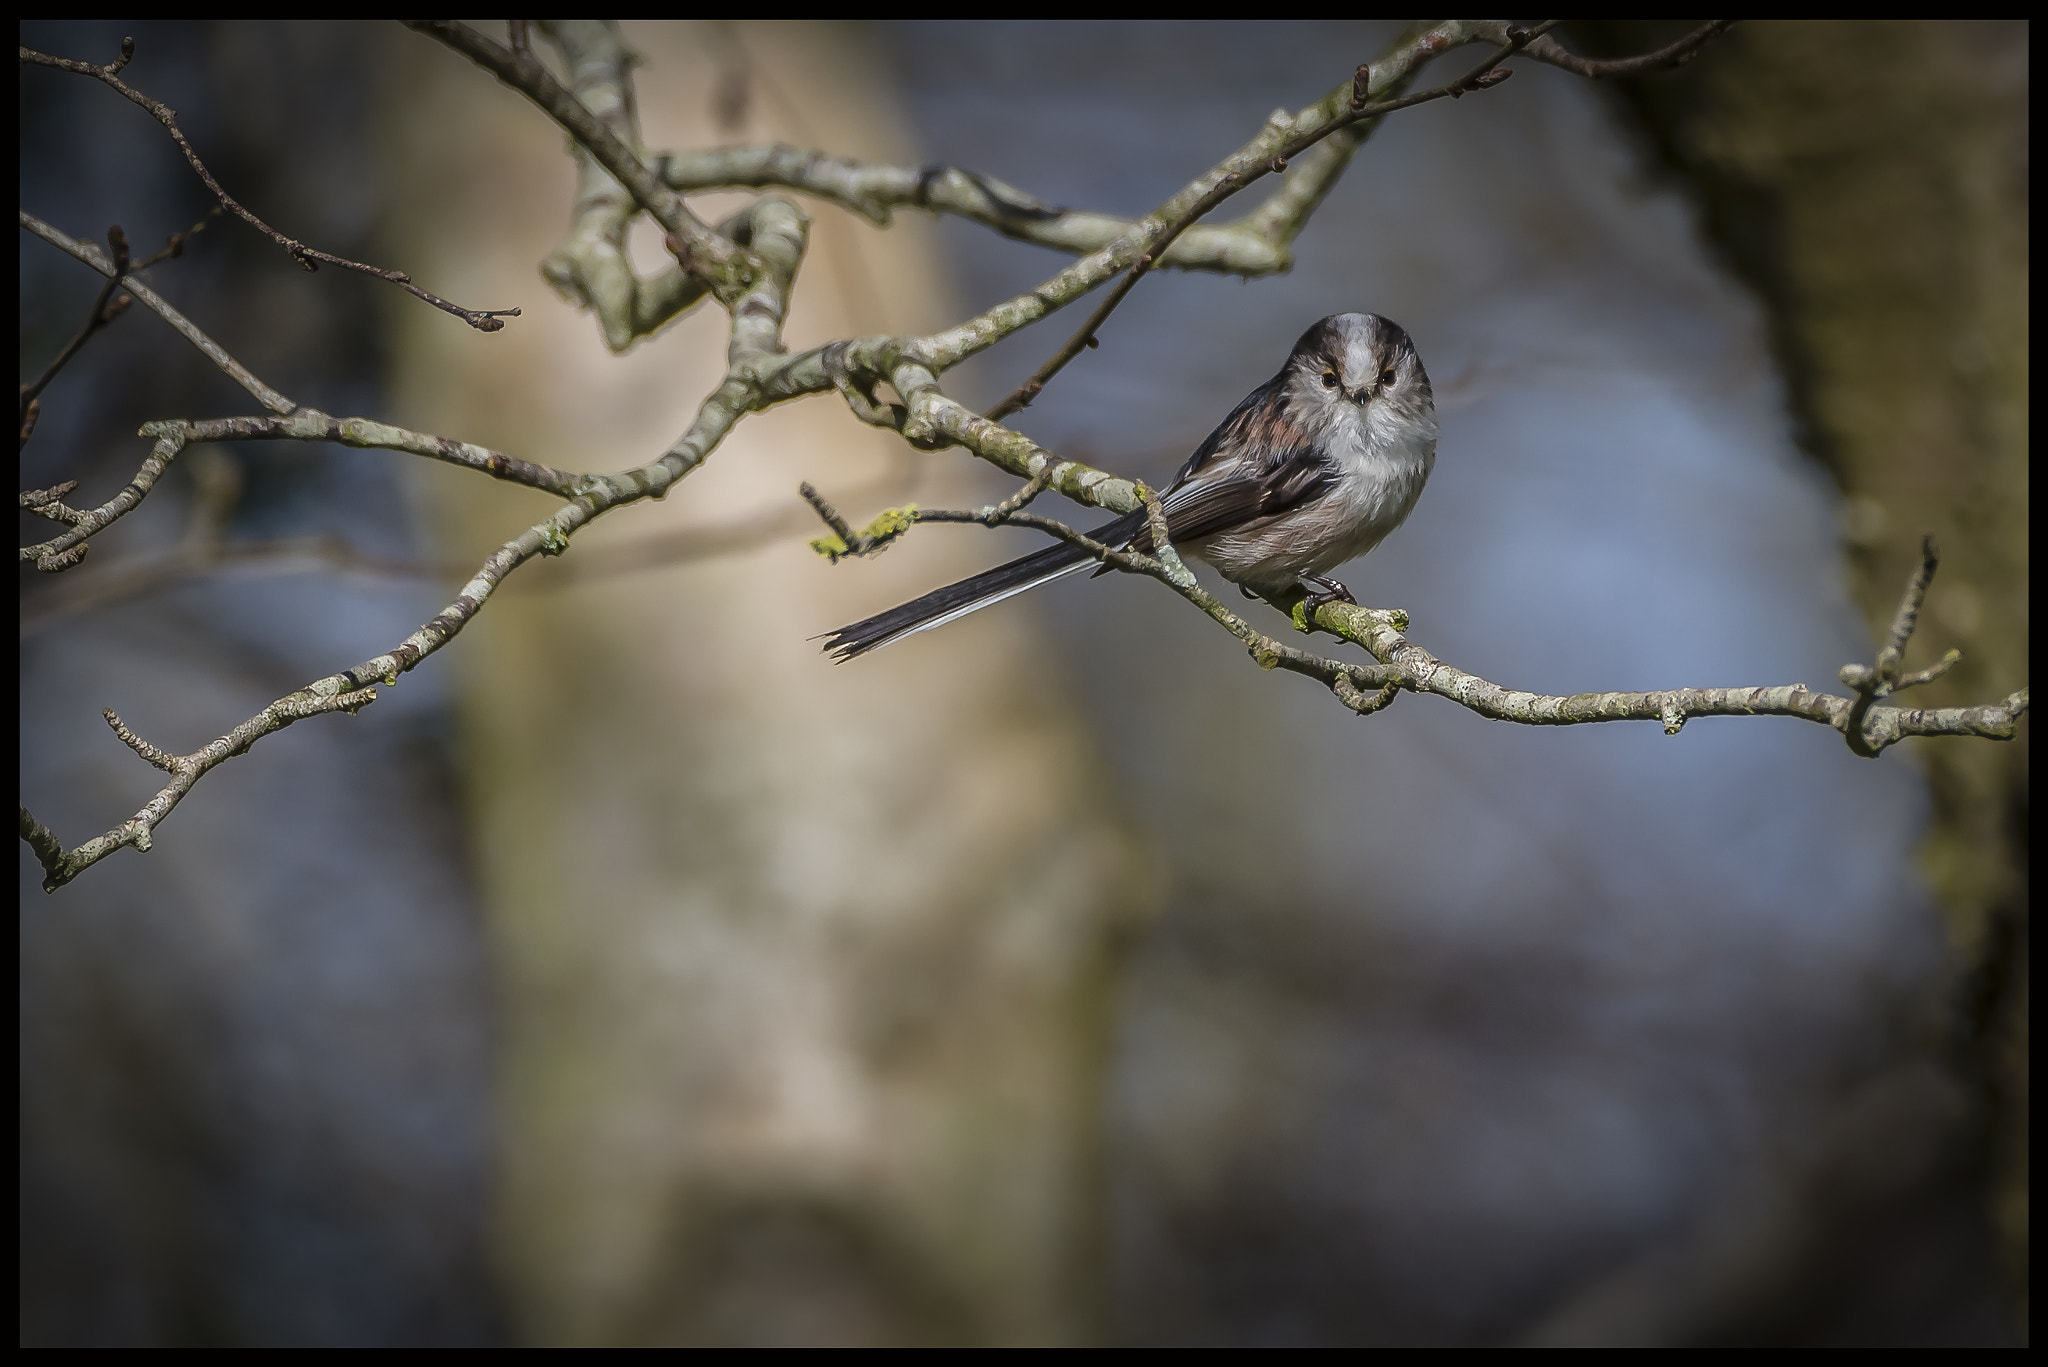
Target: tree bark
x=1869 y=180
x=804 y=970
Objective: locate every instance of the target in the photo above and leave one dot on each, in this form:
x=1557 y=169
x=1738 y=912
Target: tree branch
x=1868 y=729
x=105 y=309
x=1677 y=54
x=150 y=299
x=757 y=312
x=749 y=264
x=310 y=258
x=727 y=270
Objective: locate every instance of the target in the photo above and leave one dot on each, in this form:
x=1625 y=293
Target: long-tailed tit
x=1315 y=467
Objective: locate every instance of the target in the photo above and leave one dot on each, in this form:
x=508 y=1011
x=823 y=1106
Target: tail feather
x=955 y=601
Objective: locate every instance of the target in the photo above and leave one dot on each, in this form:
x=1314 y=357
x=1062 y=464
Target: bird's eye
x=1329 y=379
x=1387 y=375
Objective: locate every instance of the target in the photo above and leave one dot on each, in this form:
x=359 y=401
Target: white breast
x=1385 y=460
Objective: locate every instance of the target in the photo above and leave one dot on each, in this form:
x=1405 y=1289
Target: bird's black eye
x=1329 y=379
x=1387 y=375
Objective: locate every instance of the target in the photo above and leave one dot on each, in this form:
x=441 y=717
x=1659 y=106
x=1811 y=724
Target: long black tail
x=954 y=601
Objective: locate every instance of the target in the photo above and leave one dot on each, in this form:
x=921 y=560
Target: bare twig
x=997 y=514
x=174 y=245
x=1882 y=678
x=105 y=309
x=150 y=299
x=1085 y=337
x=310 y=258
x=1677 y=54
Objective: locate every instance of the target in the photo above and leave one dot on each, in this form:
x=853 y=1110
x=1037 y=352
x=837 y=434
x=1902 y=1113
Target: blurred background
x=629 y=975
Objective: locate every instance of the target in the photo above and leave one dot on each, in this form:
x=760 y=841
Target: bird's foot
x=1322 y=590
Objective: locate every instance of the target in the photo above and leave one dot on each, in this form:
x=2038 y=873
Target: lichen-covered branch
x=60 y=866
x=590 y=267
x=726 y=268
x=749 y=265
x=307 y=424
x=1358 y=102
x=1259 y=244
x=776 y=228
x=1868 y=728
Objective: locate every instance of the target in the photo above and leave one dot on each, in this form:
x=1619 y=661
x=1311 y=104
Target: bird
x=1313 y=468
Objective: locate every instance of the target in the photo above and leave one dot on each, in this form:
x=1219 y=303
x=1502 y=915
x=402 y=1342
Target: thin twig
x=848 y=537
x=150 y=299
x=174 y=245
x=105 y=308
x=310 y=258
x=1085 y=337
x=1677 y=54
x=1881 y=679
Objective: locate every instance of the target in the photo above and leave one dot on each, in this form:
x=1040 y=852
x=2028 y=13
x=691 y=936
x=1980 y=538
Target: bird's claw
x=1322 y=591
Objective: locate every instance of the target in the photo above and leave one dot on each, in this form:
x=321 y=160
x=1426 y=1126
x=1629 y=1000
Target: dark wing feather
x=1200 y=509
x=1196 y=511
x=1230 y=433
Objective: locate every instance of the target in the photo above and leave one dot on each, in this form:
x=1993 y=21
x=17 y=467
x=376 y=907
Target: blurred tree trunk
x=1870 y=181
x=803 y=970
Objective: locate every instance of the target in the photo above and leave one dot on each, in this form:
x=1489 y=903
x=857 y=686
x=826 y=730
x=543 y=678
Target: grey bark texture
x=1869 y=179
x=804 y=971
